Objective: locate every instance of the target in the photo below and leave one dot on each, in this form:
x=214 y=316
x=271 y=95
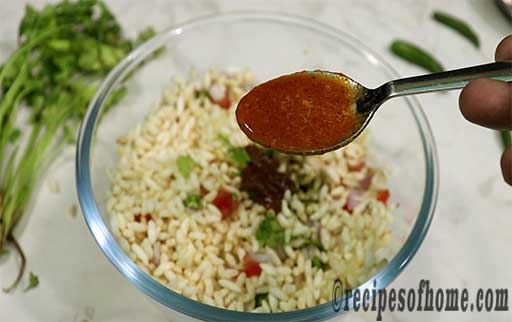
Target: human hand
x=489 y=103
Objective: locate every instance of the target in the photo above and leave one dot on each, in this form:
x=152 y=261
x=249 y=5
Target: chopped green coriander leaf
x=33 y=282
x=234 y=196
x=185 y=165
x=203 y=93
x=224 y=139
x=259 y=298
x=270 y=233
x=317 y=262
x=239 y=156
x=193 y=201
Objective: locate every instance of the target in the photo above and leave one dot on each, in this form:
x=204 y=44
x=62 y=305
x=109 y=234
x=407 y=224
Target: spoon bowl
x=320 y=106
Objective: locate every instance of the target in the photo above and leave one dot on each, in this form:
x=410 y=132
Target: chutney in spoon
x=313 y=112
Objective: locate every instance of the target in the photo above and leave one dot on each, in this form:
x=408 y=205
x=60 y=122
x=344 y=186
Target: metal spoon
x=369 y=100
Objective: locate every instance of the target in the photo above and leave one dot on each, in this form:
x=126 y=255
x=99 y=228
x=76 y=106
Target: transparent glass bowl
x=270 y=45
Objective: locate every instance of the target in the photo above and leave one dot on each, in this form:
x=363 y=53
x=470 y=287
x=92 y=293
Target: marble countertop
x=470 y=234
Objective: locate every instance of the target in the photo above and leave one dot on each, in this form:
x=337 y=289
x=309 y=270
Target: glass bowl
x=269 y=44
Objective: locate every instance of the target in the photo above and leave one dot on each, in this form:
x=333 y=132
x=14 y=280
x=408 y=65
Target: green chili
x=415 y=55
x=458 y=25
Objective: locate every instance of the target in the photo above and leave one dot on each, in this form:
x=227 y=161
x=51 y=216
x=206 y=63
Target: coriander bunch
x=64 y=50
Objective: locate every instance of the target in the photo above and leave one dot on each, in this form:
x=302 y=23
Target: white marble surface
x=469 y=239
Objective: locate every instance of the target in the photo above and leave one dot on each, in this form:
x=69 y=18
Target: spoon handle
x=452 y=79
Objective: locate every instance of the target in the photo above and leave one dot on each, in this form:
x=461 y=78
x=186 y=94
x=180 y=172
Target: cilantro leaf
x=202 y=93
x=259 y=298
x=269 y=232
x=59 y=44
x=193 y=201
x=224 y=139
x=317 y=262
x=33 y=282
x=185 y=165
x=239 y=156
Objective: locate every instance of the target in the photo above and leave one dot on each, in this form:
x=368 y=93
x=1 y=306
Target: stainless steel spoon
x=369 y=100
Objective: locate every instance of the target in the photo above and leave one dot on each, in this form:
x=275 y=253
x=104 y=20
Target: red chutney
x=300 y=112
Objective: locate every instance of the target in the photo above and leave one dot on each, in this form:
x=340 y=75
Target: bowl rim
x=196 y=309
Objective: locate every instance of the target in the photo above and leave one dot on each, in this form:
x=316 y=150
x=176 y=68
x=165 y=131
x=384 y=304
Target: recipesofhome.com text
x=422 y=298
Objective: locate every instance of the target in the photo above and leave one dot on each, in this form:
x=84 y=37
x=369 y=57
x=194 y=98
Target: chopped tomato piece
x=251 y=266
x=225 y=202
x=357 y=167
x=347 y=208
x=383 y=196
x=223 y=101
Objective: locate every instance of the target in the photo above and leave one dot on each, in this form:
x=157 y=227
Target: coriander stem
x=10 y=96
x=9 y=121
x=27 y=47
x=22 y=265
